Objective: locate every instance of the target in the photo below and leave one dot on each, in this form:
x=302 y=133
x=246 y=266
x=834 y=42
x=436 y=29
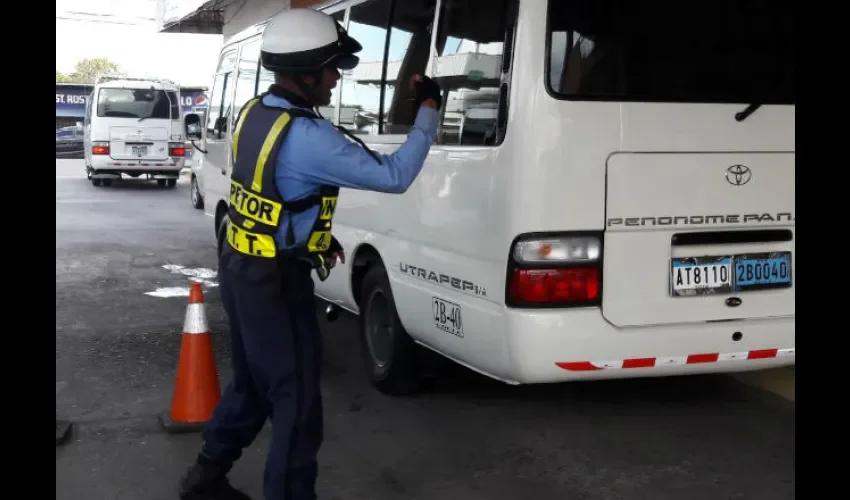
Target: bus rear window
x=137 y=103
x=726 y=51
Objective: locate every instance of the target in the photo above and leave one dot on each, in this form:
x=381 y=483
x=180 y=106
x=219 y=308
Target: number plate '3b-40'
x=729 y=273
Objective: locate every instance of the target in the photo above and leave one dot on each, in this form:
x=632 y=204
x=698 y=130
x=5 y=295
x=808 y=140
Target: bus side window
x=470 y=46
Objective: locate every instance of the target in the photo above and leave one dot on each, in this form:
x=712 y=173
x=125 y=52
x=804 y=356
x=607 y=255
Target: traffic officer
x=288 y=167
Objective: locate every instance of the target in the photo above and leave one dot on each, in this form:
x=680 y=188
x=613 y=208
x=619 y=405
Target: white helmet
x=305 y=40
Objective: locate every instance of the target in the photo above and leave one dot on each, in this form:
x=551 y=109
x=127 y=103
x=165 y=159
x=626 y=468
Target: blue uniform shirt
x=315 y=153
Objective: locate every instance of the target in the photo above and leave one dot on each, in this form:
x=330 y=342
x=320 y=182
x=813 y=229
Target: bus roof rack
x=165 y=81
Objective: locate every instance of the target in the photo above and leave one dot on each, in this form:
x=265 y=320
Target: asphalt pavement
x=124 y=259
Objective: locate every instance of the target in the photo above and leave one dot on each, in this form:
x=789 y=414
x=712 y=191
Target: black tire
x=392 y=367
x=170 y=183
x=221 y=235
x=96 y=182
x=107 y=182
x=160 y=183
x=195 y=194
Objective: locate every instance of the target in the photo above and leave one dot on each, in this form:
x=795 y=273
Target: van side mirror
x=220 y=126
x=192 y=126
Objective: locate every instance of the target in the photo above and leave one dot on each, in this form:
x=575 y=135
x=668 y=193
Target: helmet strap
x=310 y=91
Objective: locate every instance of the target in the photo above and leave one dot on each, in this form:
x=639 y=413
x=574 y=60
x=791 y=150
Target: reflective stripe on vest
x=254 y=206
x=268 y=144
x=320 y=238
x=239 y=122
x=256 y=244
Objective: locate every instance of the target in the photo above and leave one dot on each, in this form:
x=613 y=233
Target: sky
x=125 y=32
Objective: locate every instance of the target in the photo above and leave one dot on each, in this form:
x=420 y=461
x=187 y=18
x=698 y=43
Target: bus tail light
x=100 y=148
x=555 y=270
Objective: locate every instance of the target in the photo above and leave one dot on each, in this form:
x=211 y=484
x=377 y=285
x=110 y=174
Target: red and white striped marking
x=692 y=359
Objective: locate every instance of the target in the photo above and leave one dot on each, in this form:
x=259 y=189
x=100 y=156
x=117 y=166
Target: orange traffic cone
x=196 y=388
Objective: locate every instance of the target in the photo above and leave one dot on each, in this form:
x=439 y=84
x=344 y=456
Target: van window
x=470 y=46
x=329 y=112
x=246 y=80
x=137 y=103
x=360 y=91
x=368 y=107
x=266 y=80
x=409 y=52
x=227 y=62
x=734 y=51
x=220 y=99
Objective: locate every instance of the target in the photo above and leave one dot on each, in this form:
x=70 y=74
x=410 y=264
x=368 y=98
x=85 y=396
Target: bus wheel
x=389 y=353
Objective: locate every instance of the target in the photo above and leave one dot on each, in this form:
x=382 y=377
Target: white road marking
x=200 y=275
x=173 y=291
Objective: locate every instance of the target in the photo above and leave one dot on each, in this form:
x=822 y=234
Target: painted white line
x=175 y=291
x=202 y=275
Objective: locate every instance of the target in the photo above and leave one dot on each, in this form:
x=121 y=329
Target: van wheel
x=390 y=355
x=195 y=194
x=107 y=182
x=221 y=235
x=170 y=183
x=96 y=182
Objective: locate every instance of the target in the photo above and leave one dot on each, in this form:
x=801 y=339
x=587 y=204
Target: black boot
x=208 y=481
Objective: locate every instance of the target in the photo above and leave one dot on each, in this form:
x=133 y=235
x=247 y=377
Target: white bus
x=134 y=127
x=617 y=202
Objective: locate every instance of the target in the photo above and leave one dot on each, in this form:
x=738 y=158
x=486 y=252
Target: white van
x=611 y=193
x=133 y=127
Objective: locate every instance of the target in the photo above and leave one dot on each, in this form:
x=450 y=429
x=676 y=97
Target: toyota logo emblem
x=738 y=175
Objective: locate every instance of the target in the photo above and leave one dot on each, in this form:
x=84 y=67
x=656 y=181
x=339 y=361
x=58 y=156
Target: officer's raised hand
x=428 y=92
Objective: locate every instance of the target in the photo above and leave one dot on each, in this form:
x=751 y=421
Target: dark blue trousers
x=277 y=353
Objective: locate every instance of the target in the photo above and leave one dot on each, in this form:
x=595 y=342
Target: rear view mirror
x=220 y=126
x=192 y=125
